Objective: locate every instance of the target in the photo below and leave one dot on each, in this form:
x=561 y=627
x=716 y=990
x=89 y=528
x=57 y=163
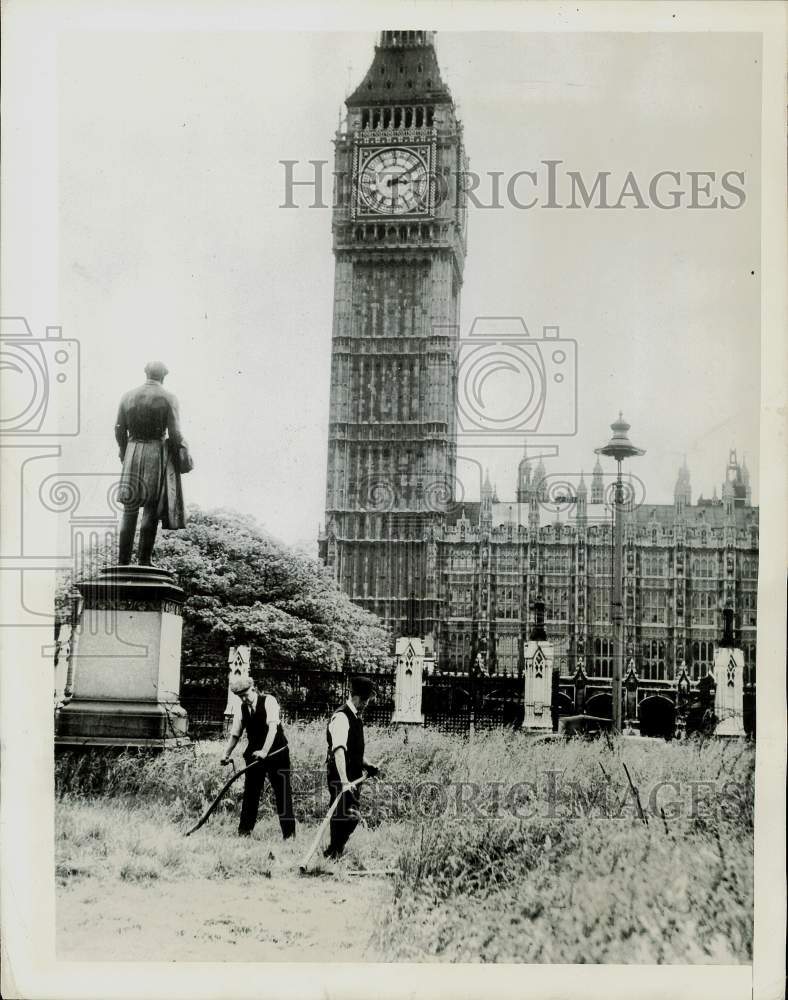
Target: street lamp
x=618 y=447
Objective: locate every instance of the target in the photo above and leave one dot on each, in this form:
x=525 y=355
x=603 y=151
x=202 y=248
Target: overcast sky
x=172 y=243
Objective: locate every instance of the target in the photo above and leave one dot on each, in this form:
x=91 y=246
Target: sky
x=172 y=244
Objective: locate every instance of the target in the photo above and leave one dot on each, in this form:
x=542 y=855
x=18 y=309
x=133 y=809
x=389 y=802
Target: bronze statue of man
x=152 y=451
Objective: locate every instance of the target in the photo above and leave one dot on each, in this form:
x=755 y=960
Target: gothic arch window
x=652 y=666
x=653 y=564
x=702 y=657
x=655 y=606
x=602 y=662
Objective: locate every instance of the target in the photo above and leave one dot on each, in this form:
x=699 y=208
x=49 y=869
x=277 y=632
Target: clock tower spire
x=399 y=247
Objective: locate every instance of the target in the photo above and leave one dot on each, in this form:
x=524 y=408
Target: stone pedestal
x=538 y=685
x=126 y=662
x=410 y=658
x=729 y=693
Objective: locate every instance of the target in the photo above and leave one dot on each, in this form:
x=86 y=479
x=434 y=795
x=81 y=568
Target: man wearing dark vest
x=258 y=714
x=345 y=763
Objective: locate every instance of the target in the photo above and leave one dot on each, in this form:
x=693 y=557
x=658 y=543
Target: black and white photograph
x=393 y=552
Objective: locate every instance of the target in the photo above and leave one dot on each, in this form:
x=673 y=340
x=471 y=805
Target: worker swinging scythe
x=258 y=714
x=345 y=770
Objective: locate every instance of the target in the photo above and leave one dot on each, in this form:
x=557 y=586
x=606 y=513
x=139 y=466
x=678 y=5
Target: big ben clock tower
x=399 y=245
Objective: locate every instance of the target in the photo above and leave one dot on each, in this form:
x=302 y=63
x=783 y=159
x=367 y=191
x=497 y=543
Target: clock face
x=393 y=181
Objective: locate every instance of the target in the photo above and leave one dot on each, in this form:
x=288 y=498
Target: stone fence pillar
x=729 y=678
x=239 y=661
x=409 y=663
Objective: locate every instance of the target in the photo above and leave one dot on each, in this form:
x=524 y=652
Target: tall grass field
x=501 y=848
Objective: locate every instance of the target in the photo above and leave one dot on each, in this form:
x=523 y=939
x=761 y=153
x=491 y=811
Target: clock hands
x=391 y=181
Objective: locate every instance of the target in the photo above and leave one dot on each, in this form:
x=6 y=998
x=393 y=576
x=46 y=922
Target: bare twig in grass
x=373 y=871
x=636 y=793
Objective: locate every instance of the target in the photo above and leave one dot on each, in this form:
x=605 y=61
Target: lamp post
x=618 y=447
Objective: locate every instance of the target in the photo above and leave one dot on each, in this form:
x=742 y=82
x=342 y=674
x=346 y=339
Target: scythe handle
x=322 y=828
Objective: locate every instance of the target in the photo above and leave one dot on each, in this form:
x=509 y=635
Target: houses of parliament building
x=465 y=575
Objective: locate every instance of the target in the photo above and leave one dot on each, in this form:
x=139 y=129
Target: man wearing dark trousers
x=345 y=763
x=258 y=715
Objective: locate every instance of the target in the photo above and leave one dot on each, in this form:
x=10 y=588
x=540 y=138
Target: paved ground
x=284 y=918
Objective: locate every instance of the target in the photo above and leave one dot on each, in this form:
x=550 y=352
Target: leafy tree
x=243 y=586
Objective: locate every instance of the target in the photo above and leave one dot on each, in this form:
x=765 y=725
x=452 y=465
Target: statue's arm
x=121 y=435
x=174 y=423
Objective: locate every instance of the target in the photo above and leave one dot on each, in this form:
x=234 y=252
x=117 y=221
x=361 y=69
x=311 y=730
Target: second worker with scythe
x=345 y=763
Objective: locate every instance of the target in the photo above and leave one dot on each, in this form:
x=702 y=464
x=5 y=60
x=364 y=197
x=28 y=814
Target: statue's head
x=156 y=370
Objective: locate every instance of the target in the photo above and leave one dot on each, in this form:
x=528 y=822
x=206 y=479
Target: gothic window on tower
x=506 y=654
x=600 y=562
x=387 y=300
x=599 y=604
x=702 y=658
x=705 y=566
x=557 y=560
x=704 y=607
x=507 y=558
x=508 y=602
x=461 y=602
x=556 y=604
x=652 y=664
x=749 y=607
x=653 y=564
x=602 y=661
x=655 y=606
x=749 y=567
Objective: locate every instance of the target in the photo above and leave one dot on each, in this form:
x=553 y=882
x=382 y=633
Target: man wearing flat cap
x=148 y=434
x=345 y=763
x=258 y=715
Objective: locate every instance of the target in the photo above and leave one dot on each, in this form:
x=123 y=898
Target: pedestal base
x=125 y=723
x=125 y=663
x=730 y=729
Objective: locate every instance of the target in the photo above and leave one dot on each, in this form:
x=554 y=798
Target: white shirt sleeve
x=238 y=723
x=338 y=729
x=271 y=710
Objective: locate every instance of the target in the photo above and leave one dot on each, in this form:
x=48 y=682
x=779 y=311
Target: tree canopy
x=244 y=587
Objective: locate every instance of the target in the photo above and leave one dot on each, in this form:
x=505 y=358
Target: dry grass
x=561 y=870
